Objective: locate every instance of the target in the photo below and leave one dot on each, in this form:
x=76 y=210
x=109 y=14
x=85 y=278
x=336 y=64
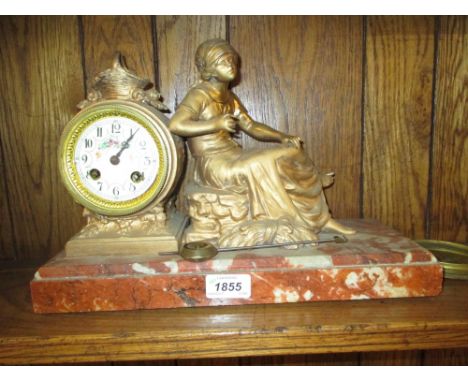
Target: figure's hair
x=209 y=52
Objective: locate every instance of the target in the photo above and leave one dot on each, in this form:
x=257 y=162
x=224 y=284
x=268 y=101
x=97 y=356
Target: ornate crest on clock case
x=119 y=82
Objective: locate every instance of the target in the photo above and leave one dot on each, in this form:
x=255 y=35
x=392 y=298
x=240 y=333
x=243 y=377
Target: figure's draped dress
x=280 y=182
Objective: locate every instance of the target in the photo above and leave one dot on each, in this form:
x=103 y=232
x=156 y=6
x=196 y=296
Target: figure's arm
x=182 y=123
x=262 y=132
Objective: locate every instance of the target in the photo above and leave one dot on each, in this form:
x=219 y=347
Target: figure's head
x=216 y=59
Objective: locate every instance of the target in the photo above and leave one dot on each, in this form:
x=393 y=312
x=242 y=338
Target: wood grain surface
x=176 y=51
x=7 y=245
x=44 y=80
x=339 y=359
x=103 y=36
x=220 y=332
x=449 y=213
x=398 y=105
x=444 y=357
x=302 y=75
x=400 y=358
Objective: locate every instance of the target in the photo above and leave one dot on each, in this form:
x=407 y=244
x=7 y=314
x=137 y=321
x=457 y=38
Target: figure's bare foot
x=338 y=227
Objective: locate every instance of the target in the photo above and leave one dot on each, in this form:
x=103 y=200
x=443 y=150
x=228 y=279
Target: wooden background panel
x=341 y=359
x=446 y=357
x=7 y=246
x=208 y=362
x=302 y=75
x=103 y=36
x=41 y=59
x=177 y=39
x=449 y=212
x=400 y=358
x=398 y=104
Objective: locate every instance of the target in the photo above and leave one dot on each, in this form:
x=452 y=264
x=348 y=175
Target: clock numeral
x=100 y=185
x=147 y=161
x=116 y=191
x=115 y=127
x=88 y=143
x=142 y=144
x=99 y=132
x=84 y=158
x=132 y=187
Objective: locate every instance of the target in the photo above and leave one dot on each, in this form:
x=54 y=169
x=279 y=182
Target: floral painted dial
x=113 y=159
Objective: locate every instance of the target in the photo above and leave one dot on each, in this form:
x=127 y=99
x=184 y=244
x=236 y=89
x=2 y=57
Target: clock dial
x=115 y=158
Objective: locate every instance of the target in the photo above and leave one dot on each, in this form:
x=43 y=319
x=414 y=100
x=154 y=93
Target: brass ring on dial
x=198 y=251
x=452 y=256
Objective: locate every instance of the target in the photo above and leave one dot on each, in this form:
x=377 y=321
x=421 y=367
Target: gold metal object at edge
x=452 y=256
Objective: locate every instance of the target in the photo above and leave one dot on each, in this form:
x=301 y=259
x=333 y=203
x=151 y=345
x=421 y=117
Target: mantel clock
x=118 y=160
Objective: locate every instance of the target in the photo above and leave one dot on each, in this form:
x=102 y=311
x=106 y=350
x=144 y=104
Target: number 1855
x=224 y=287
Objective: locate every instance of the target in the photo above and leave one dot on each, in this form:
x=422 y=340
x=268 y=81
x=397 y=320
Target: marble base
x=377 y=262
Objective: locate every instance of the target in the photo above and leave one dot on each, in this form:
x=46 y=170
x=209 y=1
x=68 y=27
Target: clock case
x=156 y=227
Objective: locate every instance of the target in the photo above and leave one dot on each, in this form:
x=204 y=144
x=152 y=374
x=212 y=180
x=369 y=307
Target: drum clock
x=118 y=159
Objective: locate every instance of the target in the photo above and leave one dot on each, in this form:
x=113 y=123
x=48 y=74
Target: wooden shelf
x=319 y=327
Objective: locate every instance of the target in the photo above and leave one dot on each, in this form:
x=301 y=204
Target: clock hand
x=114 y=159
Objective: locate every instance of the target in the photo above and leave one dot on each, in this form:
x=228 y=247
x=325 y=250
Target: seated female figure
x=257 y=196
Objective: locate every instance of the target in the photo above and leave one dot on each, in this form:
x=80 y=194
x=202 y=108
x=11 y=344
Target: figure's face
x=226 y=68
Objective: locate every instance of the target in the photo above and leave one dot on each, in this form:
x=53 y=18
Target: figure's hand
x=327 y=179
x=292 y=140
x=226 y=122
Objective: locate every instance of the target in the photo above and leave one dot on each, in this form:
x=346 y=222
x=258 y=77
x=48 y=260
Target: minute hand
x=126 y=144
x=115 y=158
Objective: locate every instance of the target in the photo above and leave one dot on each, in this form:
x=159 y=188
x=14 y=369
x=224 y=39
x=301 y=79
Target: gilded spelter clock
x=118 y=159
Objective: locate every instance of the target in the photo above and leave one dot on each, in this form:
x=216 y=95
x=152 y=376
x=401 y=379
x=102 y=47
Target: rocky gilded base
x=377 y=262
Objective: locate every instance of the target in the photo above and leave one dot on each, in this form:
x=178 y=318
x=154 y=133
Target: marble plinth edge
x=378 y=262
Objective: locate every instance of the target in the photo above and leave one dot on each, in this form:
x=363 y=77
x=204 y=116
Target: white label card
x=228 y=286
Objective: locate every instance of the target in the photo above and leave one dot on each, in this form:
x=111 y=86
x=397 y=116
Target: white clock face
x=116 y=159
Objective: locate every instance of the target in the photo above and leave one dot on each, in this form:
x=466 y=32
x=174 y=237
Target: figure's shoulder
x=196 y=98
x=200 y=90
